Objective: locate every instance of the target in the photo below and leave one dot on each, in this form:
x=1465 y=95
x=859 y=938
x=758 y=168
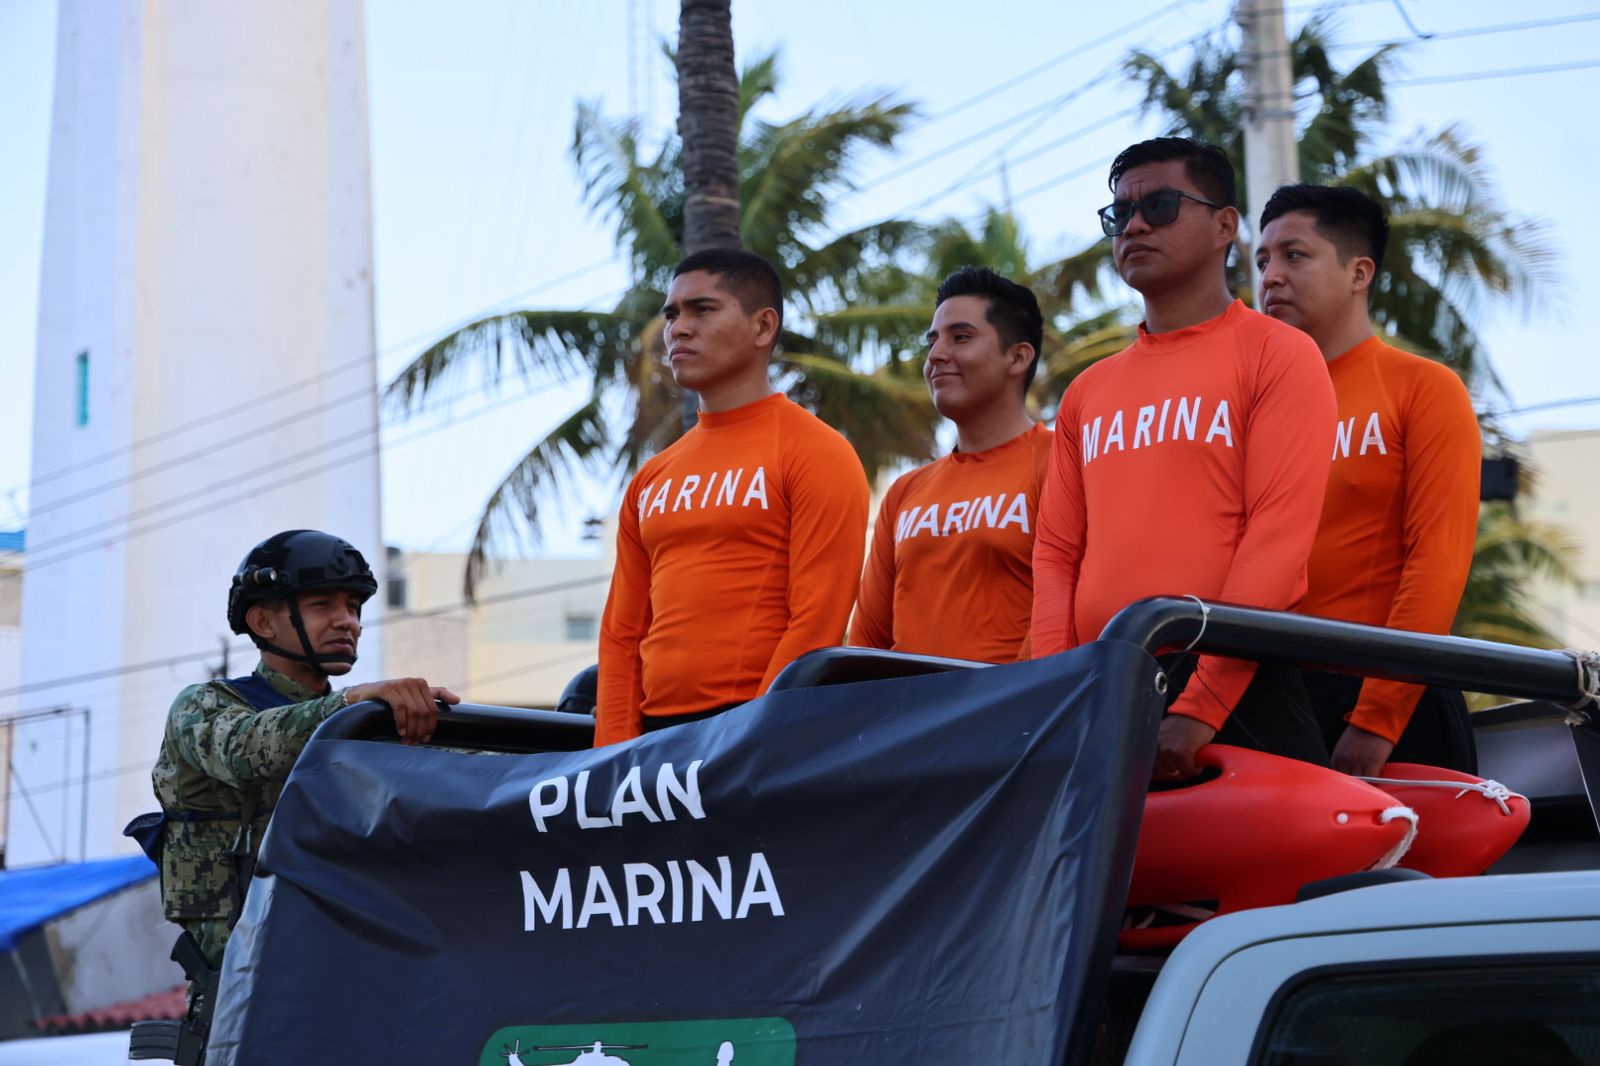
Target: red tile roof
x=158 y=1005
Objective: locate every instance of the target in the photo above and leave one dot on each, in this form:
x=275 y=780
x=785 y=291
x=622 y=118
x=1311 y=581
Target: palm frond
x=577 y=445
x=635 y=195
x=1510 y=554
x=886 y=417
x=555 y=345
x=789 y=169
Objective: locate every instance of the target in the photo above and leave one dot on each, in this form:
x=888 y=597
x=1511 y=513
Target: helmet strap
x=307 y=656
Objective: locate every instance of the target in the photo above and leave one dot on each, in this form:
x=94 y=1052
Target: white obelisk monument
x=205 y=372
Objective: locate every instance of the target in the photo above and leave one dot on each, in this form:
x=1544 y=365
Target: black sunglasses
x=1158 y=208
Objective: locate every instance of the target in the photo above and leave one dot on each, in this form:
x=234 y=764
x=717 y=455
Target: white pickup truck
x=1502 y=969
x=1375 y=969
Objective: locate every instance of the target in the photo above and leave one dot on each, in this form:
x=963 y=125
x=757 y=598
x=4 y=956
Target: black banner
x=925 y=870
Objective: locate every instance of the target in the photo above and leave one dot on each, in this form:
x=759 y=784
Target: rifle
x=183 y=1042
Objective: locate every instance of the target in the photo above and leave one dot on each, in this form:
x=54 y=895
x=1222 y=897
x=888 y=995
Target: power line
x=387 y=619
x=210 y=506
x=1447 y=35
x=235 y=480
x=246 y=648
x=1547 y=405
x=371 y=390
x=144 y=767
x=1507 y=72
x=196 y=494
x=1053 y=62
x=257 y=402
x=970 y=101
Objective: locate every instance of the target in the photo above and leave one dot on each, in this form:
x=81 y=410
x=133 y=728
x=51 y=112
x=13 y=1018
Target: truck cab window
x=1474 y=1012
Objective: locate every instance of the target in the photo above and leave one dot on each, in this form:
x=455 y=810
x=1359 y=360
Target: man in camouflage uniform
x=229 y=745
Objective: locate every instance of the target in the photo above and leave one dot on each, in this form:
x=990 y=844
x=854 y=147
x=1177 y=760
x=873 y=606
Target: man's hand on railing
x=413 y=701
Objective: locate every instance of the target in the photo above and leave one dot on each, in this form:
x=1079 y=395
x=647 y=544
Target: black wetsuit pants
x=1273 y=715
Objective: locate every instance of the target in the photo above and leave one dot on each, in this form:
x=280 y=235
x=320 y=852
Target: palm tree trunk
x=708 y=123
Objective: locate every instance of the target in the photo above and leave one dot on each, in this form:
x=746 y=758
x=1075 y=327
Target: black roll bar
x=470 y=725
x=1166 y=624
x=1158 y=624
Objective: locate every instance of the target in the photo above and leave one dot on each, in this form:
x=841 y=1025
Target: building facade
x=205 y=372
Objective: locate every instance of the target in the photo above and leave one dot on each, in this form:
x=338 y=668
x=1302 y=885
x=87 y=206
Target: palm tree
x=1452 y=245
x=789 y=172
x=708 y=125
x=1510 y=554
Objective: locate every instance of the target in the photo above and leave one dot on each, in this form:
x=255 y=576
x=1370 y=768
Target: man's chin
x=950 y=405
x=338 y=669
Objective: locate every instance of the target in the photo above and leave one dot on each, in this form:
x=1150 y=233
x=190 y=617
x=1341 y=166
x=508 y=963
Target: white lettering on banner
x=720 y=488
x=641 y=893
x=963 y=516
x=1177 y=419
x=548 y=798
x=645 y=887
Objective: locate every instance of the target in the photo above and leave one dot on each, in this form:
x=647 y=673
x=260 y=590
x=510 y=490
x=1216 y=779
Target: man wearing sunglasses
x=1401 y=514
x=1192 y=463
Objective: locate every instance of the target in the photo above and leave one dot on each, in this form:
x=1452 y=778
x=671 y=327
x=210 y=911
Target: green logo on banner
x=726 y=1042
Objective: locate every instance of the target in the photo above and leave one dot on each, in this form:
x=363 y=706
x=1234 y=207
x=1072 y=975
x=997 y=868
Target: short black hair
x=1012 y=309
x=1205 y=163
x=750 y=278
x=1354 y=222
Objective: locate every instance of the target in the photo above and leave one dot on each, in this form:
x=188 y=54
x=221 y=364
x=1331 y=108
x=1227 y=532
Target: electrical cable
x=256 y=402
x=381 y=620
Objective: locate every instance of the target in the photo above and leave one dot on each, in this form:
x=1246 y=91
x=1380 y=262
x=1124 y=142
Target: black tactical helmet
x=579 y=695
x=289 y=563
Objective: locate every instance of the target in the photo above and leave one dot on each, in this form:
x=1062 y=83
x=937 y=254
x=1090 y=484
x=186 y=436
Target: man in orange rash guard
x=951 y=567
x=1191 y=463
x=1401 y=513
x=739 y=545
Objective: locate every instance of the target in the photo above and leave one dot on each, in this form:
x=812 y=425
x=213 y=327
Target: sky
x=477 y=207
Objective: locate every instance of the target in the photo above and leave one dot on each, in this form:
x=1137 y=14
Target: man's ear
x=1363 y=274
x=262 y=621
x=1228 y=225
x=1019 y=355
x=767 y=328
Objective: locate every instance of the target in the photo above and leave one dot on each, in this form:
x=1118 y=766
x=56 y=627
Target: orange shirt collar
x=1360 y=354
x=1179 y=339
x=1020 y=440
x=738 y=415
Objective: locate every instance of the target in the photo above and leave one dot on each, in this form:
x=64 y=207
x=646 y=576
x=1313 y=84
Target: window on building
x=82 y=405
x=582 y=627
x=394 y=579
x=1467 y=1012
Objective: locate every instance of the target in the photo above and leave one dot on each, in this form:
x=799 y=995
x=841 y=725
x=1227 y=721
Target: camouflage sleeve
x=229 y=740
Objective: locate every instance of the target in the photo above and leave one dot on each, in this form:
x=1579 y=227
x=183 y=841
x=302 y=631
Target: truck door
x=1517 y=992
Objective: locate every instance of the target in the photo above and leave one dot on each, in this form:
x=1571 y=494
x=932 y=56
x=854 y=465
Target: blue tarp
x=34 y=895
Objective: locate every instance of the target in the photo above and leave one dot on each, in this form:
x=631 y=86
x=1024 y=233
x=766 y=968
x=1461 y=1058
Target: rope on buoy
x=1491 y=790
x=1398 y=852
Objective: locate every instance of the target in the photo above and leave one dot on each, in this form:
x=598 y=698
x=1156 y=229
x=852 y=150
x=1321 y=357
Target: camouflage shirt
x=217 y=752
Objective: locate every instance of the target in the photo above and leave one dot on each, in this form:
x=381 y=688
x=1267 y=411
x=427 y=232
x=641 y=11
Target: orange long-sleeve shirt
x=738 y=550
x=1191 y=463
x=1401 y=513
x=950 y=571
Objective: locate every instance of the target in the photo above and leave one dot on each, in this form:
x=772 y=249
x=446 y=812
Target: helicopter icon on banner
x=595 y=1054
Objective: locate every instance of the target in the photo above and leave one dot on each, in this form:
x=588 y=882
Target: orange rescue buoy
x=1251 y=835
x=1464 y=823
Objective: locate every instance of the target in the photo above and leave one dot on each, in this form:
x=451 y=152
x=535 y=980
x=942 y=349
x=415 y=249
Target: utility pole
x=1270 y=155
